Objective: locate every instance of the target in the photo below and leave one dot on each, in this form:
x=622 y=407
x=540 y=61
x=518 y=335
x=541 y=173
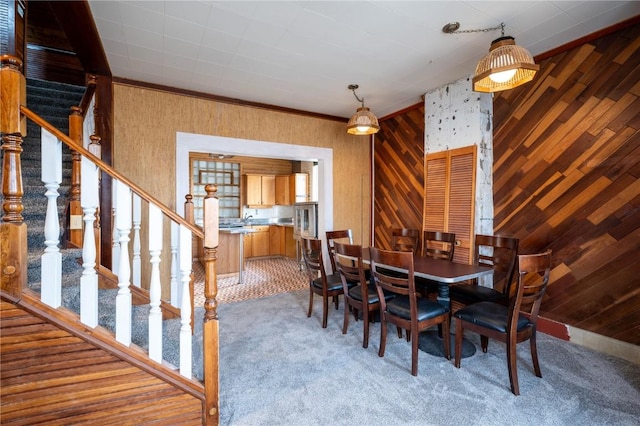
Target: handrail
x=90 y=89
x=110 y=171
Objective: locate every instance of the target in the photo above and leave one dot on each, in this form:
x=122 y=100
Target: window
x=224 y=174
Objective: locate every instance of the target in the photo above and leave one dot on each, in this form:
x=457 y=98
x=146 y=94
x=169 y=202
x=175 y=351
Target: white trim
x=191 y=142
x=604 y=344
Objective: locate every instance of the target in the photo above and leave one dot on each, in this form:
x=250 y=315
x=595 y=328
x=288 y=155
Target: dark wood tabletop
x=440 y=270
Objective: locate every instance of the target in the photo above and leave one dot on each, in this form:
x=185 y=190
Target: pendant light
x=363 y=122
x=505 y=67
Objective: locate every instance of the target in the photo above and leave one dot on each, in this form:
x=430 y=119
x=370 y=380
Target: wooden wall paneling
x=567 y=177
x=399 y=174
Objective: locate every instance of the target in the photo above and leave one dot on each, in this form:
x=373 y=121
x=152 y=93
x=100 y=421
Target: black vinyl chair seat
x=490 y=315
x=356 y=293
x=333 y=282
x=470 y=294
x=427 y=309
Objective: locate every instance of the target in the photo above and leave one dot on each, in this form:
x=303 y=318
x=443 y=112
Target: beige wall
x=146 y=122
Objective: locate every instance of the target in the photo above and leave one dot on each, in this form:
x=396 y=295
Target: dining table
x=444 y=273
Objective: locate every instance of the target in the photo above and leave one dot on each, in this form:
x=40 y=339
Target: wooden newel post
x=75 y=209
x=210 y=327
x=13 y=127
x=96 y=149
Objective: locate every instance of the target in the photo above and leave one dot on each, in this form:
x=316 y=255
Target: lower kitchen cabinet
x=276 y=240
x=228 y=254
x=289 y=242
x=257 y=244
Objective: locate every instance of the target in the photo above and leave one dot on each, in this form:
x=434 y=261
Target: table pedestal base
x=430 y=343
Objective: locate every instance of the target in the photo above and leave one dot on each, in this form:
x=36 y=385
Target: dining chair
x=362 y=297
x=332 y=236
x=320 y=283
x=499 y=253
x=437 y=245
x=404 y=239
x=405 y=310
x=510 y=324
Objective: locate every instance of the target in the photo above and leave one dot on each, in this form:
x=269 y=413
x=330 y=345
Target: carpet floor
x=262 y=277
x=278 y=367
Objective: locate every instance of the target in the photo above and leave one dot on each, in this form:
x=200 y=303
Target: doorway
x=191 y=142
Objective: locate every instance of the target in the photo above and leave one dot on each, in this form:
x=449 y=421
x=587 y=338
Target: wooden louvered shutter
x=449 y=197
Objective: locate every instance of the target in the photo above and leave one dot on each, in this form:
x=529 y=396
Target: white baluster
x=155 y=289
x=137 y=219
x=115 y=245
x=89 y=279
x=186 y=260
x=123 y=298
x=175 y=229
x=51 y=261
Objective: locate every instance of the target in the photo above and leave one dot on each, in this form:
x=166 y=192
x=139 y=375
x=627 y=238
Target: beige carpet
x=262 y=277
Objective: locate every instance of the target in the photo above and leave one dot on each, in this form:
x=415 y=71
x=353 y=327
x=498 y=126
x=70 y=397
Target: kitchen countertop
x=237 y=230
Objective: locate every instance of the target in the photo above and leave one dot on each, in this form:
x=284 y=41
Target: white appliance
x=305 y=220
x=305 y=224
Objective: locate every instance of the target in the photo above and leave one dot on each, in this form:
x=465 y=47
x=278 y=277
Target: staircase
x=54 y=368
x=52 y=101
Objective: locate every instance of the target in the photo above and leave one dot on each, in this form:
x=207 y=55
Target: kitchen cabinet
x=289 y=242
x=228 y=253
x=276 y=240
x=298 y=188
x=257 y=244
x=282 y=190
x=259 y=190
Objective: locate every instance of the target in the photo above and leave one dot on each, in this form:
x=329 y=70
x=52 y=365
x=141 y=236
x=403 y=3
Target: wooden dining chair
x=345 y=236
x=320 y=283
x=405 y=310
x=362 y=297
x=499 y=253
x=437 y=245
x=510 y=324
x=404 y=239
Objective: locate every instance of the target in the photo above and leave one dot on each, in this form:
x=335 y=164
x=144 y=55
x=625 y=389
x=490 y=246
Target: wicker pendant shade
x=506 y=66
x=363 y=122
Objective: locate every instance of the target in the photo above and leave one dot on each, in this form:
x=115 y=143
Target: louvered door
x=449 y=197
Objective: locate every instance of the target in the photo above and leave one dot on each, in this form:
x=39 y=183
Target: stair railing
x=81 y=128
x=13 y=259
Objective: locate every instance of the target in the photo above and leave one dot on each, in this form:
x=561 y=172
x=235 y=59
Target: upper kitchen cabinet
x=259 y=190
x=282 y=190
x=299 y=188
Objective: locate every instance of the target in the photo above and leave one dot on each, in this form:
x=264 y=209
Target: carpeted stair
x=52 y=101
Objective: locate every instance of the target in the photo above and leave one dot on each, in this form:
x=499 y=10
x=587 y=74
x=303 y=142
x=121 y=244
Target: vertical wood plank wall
x=567 y=177
x=398 y=174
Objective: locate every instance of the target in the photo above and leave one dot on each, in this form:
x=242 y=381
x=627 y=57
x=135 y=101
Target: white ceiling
x=304 y=54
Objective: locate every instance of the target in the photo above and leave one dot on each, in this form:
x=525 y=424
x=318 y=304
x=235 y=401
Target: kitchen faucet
x=247 y=216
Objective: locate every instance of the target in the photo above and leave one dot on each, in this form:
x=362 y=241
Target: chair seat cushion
x=490 y=315
x=399 y=306
x=356 y=293
x=334 y=282
x=470 y=293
